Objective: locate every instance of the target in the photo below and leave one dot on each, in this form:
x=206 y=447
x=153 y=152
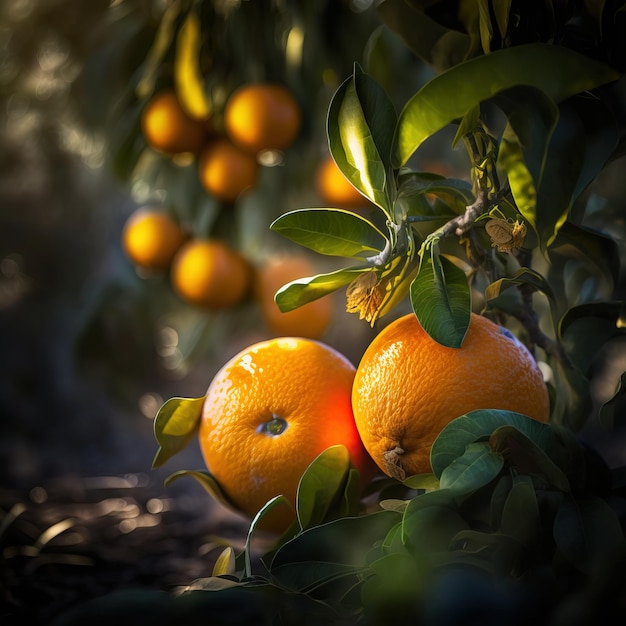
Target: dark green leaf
x=476 y=467
x=437 y=45
x=360 y=125
x=441 y=300
x=331 y=231
x=571 y=403
x=520 y=452
x=563 y=166
x=317 y=577
x=476 y=425
x=523 y=276
x=521 y=518
x=208 y=481
x=321 y=486
x=175 y=425
x=350 y=502
x=584 y=328
x=596 y=254
x=430 y=523
x=607 y=410
x=345 y=540
x=588 y=533
x=557 y=71
x=532 y=117
x=456 y=192
x=602 y=137
x=303 y=290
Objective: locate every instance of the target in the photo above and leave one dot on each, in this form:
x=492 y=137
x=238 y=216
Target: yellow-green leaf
x=162 y=42
x=188 y=78
x=175 y=425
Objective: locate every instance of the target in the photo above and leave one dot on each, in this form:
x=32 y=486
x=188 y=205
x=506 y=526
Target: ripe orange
x=262 y=116
x=168 y=128
x=269 y=412
x=335 y=189
x=226 y=171
x=151 y=237
x=207 y=273
x=310 y=320
x=408 y=387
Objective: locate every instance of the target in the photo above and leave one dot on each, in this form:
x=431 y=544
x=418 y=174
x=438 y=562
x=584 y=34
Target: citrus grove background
x=104 y=316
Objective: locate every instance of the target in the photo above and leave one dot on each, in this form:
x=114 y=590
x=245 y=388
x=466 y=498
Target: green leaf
x=532 y=117
x=585 y=328
x=476 y=467
x=160 y=46
x=208 y=481
x=557 y=71
x=430 y=523
x=475 y=425
x=427 y=482
x=360 y=126
x=571 y=402
x=175 y=425
x=607 y=410
x=225 y=563
x=521 y=518
x=331 y=231
x=522 y=276
x=601 y=132
x=441 y=299
x=321 y=486
x=588 y=533
x=345 y=540
x=188 y=77
x=555 y=193
x=456 y=192
x=318 y=578
x=303 y=290
x=527 y=457
x=437 y=45
x=594 y=255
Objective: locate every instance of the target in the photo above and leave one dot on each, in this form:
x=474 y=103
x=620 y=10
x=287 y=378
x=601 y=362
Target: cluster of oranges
x=278 y=404
x=206 y=272
x=256 y=118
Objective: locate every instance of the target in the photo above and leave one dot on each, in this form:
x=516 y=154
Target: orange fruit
x=209 y=274
x=408 y=387
x=309 y=320
x=269 y=412
x=168 y=128
x=151 y=237
x=335 y=189
x=226 y=171
x=262 y=116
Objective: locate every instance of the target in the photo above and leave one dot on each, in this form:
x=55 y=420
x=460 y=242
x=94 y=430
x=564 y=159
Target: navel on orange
x=151 y=238
x=309 y=320
x=269 y=412
x=210 y=274
x=262 y=116
x=408 y=387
